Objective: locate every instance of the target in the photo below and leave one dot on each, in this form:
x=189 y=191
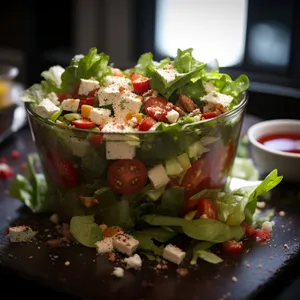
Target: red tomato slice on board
x=147 y=123
x=249 y=231
x=127 y=176
x=140 y=83
x=207 y=207
x=233 y=246
x=83 y=123
x=61 y=170
x=158 y=107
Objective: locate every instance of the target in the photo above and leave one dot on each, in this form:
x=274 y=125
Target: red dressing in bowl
x=286 y=142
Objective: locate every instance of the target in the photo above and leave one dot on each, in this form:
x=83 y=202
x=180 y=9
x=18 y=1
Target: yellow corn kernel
x=112 y=231
x=139 y=117
x=85 y=110
x=102 y=227
x=88 y=201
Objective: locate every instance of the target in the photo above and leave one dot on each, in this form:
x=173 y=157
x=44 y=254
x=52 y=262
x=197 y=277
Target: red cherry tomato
x=83 y=123
x=141 y=84
x=127 y=176
x=93 y=92
x=3 y=160
x=15 y=154
x=75 y=92
x=233 y=246
x=86 y=101
x=207 y=207
x=61 y=170
x=6 y=171
x=158 y=107
x=262 y=235
x=96 y=140
x=147 y=123
x=209 y=115
x=117 y=72
x=62 y=96
x=249 y=231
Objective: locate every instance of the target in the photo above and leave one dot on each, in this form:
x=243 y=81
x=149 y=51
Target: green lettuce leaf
x=172 y=202
x=208 y=256
x=200 y=246
x=92 y=65
x=35 y=93
x=85 y=230
x=32 y=189
x=244 y=168
x=52 y=79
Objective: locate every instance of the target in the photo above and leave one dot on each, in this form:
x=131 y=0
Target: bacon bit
x=179 y=110
x=15 y=154
x=102 y=227
x=182 y=272
x=186 y=103
x=54 y=243
x=112 y=231
x=121 y=89
x=88 y=201
x=165 y=267
x=6 y=171
x=112 y=256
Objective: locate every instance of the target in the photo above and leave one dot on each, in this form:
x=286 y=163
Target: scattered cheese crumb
x=67 y=263
x=54 y=219
x=282 y=213
x=248 y=265
x=118 y=272
x=267 y=225
x=259 y=266
x=261 y=204
x=286 y=246
x=21 y=234
x=134 y=261
x=234 y=279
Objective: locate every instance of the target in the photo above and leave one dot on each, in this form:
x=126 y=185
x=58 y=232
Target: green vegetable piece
x=56 y=115
x=184 y=161
x=208 y=256
x=173 y=167
x=196 y=149
x=85 y=230
x=155 y=194
x=190 y=215
x=72 y=116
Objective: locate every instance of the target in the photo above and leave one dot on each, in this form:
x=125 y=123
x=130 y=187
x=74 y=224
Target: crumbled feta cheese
x=53 y=98
x=173 y=254
x=46 y=108
x=54 y=219
x=158 y=176
x=79 y=146
x=126 y=103
x=108 y=95
x=99 y=116
x=169 y=73
x=21 y=234
x=133 y=122
x=118 y=272
x=261 y=204
x=172 y=116
x=268 y=226
x=105 y=246
x=197 y=118
x=208 y=86
x=119 y=150
x=118 y=81
x=218 y=98
x=87 y=85
x=70 y=105
x=134 y=261
x=125 y=243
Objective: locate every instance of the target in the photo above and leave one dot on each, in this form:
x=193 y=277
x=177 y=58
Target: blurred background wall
x=259 y=38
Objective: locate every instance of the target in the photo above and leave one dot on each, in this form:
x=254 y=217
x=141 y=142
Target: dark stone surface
x=35 y=273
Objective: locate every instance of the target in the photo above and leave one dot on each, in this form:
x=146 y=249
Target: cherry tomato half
x=209 y=115
x=140 y=83
x=158 y=107
x=62 y=96
x=86 y=101
x=207 y=207
x=96 y=140
x=233 y=246
x=61 y=170
x=127 y=176
x=83 y=123
x=262 y=235
x=147 y=123
x=249 y=231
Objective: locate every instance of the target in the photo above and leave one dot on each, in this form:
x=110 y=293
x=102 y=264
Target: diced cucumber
x=190 y=215
x=72 y=116
x=196 y=150
x=173 y=167
x=155 y=194
x=184 y=161
x=55 y=116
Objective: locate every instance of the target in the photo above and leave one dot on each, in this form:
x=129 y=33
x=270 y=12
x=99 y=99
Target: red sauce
x=287 y=142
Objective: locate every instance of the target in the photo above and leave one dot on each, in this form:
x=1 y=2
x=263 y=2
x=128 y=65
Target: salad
x=139 y=159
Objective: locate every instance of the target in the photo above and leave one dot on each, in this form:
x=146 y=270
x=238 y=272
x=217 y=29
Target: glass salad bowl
x=169 y=169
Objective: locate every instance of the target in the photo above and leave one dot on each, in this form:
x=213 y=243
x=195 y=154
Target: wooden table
x=34 y=268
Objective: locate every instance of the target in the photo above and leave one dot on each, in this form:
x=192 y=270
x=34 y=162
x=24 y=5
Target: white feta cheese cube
x=108 y=95
x=105 y=246
x=134 y=262
x=46 y=108
x=53 y=98
x=126 y=103
x=70 y=105
x=86 y=86
x=79 y=146
x=99 y=116
x=217 y=98
x=119 y=150
x=125 y=243
x=172 y=116
x=118 y=272
x=267 y=225
x=158 y=176
x=21 y=234
x=169 y=73
x=173 y=254
x=118 y=81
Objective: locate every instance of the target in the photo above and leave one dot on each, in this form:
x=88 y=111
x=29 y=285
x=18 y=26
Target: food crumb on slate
x=261 y=204
x=234 y=279
x=271 y=257
x=286 y=246
x=182 y=272
x=259 y=266
x=147 y=284
x=30 y=257
x=67 y=263
x=248 y=265
x=282 y=213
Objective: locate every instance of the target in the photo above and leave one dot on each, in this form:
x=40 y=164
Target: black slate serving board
x=261 y=272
